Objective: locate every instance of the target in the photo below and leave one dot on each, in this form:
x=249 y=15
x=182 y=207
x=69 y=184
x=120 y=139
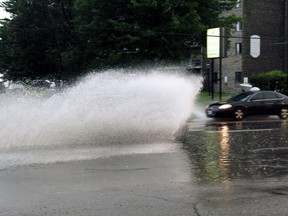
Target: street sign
x=216 y=43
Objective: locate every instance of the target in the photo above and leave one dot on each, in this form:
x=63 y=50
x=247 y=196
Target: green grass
x=42 y=92
x=203 y=98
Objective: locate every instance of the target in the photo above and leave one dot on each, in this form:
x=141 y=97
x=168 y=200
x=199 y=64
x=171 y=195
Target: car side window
x=258 y=96
x=270 y=95
x=278 y=95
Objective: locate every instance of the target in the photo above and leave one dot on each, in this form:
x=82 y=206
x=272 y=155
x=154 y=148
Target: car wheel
x=239 y=114
x=284 y=113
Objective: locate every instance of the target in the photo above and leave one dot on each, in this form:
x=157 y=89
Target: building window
x=239 y=26
x=238 y=77
x=196 y=62
x=238 y=48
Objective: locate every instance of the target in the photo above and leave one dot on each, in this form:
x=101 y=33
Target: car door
x=273 y=103
x=257 y=104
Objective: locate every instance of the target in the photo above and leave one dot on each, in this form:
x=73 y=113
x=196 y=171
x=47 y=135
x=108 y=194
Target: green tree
x=34 y=39
x=65 y=38
x=125 y=32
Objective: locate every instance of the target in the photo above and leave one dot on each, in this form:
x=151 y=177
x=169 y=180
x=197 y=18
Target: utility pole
x=286 y=36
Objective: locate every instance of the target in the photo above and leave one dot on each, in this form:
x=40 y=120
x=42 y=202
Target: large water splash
x=104 y=109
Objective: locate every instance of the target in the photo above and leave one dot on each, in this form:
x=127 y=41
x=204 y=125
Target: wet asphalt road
x=218 y=168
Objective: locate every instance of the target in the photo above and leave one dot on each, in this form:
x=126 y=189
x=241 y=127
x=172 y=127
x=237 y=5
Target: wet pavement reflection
x=223 y=151
x=219 y=168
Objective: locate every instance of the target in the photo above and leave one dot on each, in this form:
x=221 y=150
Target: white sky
x=3 y=13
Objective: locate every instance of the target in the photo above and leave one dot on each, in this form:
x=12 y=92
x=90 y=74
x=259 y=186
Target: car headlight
x=225 y=106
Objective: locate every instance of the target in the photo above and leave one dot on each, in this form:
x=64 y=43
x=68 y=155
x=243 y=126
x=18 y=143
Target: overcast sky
x=3 y=13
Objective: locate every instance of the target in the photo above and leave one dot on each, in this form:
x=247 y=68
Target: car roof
x=264 y=91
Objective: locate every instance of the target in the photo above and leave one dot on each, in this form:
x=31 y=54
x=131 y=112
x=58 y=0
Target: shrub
x=274 y=80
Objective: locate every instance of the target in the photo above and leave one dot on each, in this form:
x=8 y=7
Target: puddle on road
x=226 y=151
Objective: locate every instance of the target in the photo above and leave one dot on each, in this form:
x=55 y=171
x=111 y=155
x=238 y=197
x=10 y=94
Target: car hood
x=217 y=104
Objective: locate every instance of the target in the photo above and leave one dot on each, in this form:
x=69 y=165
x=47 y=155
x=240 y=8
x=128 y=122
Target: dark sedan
x=251 y=103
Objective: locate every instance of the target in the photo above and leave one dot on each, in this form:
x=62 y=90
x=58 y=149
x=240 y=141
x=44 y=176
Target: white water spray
x=105 y=109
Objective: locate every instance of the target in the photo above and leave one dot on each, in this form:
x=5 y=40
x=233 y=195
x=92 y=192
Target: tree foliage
x=65 y=38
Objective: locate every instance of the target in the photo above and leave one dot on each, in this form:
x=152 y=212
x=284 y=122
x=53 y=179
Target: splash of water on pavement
x=111 y=108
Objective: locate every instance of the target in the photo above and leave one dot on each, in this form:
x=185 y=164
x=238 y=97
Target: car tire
x=283 y=113
x=239 y=114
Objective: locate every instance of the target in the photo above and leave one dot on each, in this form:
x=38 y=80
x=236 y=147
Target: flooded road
x=219 y=168
x=107 y=147
x=241 y=167
x=224 y=151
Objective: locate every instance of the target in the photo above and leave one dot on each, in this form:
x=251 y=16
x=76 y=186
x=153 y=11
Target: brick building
x=264 y=18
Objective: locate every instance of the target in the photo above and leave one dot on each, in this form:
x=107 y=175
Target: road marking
x=237 y=122
x=240 y=131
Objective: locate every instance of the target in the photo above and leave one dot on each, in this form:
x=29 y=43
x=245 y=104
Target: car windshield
x=240 y=97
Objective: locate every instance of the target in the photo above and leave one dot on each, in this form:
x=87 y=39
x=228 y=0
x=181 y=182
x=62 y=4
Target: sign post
x=216 y=48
